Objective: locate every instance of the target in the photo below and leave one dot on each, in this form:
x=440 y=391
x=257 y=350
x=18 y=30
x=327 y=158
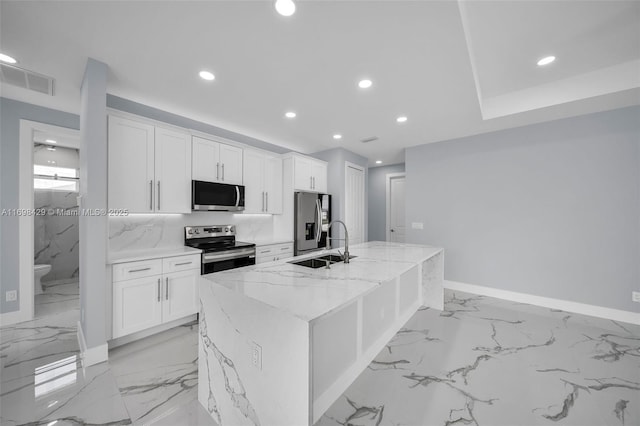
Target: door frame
x=25 y=311
x=388 y=178
x=348 y=164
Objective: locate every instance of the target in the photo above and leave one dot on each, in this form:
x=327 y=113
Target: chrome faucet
x=346 y=239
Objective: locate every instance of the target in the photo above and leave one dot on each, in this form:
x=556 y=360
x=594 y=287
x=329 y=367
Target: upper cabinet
x=149 y=167
x=309 y=174
x=216 y=162
x=263 y=182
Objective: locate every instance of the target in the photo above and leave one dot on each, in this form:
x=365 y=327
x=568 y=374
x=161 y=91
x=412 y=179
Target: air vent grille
x=26 y=79
x=369 y=139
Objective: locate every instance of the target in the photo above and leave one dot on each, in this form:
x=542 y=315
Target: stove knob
x=190 y=231
x=226 y=229
x=197 y=231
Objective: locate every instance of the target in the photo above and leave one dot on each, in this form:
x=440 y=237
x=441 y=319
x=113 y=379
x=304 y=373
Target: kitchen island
x=279 y=342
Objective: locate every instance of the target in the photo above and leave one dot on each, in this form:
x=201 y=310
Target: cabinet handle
x=151 y=195
x=266 y=195
x=284 y=248
x=139 y=270
x=262 y=202
x=158 y=289
x=310 y=182
x=217 y=171
x=222 y=171
x=158 y=195
x=183 y=263
x=166 y=288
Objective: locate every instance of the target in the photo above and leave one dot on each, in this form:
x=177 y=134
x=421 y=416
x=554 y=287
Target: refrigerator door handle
x=319 y=226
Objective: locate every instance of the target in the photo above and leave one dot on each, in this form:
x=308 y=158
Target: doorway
x=354 y=202
x=396 y=230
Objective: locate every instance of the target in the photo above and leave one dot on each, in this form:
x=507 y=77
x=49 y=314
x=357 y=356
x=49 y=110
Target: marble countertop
x=154 y=253
x=310 y=293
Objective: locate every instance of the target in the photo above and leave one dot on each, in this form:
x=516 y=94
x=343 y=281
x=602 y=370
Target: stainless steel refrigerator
x=312 y=215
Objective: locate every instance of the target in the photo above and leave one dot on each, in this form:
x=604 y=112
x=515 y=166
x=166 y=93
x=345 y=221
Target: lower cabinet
x=144 y=302
x=271 y=252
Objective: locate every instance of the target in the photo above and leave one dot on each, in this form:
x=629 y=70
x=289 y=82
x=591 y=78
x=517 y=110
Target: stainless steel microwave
x=216 y=196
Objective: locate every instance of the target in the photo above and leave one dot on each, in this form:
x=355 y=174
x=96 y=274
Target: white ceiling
x=454 y=70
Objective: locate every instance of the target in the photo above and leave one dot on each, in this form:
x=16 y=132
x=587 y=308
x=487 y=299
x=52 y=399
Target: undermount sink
x=320 y=261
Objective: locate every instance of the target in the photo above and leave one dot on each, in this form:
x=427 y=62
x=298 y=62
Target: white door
x=131 y=168
x=253 y=170
x=136 y=305
x=205 y=160
x=172 y=171
x=302 y=174
x=273 y=185
x=319 y=173
x=230 y=164
x=354 y=202
x=180 y=297
x=395 y=209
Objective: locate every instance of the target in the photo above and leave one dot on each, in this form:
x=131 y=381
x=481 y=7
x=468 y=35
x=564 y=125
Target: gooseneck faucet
x=346 y=239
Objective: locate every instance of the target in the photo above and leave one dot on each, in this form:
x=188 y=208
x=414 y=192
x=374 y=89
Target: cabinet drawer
x=264 y=251
x=139 y=269
x=180 y=263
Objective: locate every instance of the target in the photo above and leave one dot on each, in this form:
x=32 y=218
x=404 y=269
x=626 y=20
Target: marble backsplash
x=146 y=231
x=56 y=236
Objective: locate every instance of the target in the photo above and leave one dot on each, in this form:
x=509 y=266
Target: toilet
x=39 y=271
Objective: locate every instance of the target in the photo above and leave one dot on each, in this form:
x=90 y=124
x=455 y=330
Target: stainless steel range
x=220 y=250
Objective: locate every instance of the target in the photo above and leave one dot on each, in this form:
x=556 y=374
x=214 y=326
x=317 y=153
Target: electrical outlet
x=417 y=225
x=11 y=296
x=635 y=296
x=256 y=355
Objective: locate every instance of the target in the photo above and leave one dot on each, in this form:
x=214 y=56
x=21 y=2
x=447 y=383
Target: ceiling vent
x=369 y=139
x=26 y=79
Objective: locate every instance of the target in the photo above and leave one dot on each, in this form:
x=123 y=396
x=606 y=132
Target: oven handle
x=236 y=254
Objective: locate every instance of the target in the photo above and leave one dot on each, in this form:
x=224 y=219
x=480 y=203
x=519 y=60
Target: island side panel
x=433 y=281
x=230 y=387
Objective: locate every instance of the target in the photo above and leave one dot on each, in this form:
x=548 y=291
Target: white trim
x=387 y=225
x=547 y=302
x=25 y=223
x=91 y=356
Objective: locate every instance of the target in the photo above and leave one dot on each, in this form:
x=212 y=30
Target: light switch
x=417 y=225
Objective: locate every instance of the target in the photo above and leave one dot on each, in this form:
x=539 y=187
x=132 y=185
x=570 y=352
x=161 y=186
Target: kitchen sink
x=320 y=261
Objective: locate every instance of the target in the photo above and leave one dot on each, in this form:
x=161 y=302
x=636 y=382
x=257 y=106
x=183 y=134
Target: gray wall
x=336 y=158
x=11 y=112
x=551 y=209
x=377 y=203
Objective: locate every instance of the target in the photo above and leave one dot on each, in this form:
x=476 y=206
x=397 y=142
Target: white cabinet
x=263 y=182
x=152 y=292
x=149 y=168
x=309 y=174
x=271 y=252
x=216 y=162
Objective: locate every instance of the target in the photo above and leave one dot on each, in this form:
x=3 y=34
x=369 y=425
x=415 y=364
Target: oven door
x=216 y=196
x=223 y=260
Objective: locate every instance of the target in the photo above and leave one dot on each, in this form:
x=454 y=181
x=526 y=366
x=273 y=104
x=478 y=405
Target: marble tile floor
x=57 y=296
x=481 y=361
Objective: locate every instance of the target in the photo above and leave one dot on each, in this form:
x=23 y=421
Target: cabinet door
x=136 y=305
x=273 y=185
x=319 y=173
x=230 y=164
x=205 y=160
x=131 y=177
x=181 y=296
x=253 y=171
x=172 y=171
x=302 y=169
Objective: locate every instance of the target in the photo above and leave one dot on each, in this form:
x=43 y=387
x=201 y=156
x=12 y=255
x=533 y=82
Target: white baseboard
x=547 y=302
x=91 y=356
x=10 y=318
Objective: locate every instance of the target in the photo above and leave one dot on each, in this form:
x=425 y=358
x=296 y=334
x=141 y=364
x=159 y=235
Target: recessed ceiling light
x=285 y=7
x=6 y=58
x=290 y=114
x=50 y=148
x=365 y=84
x=546 y=60
x=378 y=161
x=337 y=136
x=206 y=75
x=401 y=119
x=51 y=141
